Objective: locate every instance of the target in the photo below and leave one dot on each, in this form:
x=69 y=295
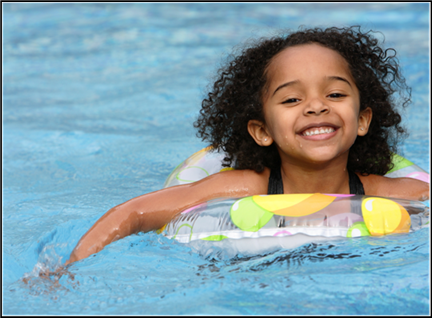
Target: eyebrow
x=331 y=78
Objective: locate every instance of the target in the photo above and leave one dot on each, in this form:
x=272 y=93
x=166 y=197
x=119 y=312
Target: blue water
x=98 y=106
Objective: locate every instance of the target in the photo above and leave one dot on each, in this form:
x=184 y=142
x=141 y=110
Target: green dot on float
x=358 y=229
x=248 y=216
x=215 y=238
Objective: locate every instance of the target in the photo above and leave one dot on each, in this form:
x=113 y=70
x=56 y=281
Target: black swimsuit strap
x=275 y=185
x=355 y=185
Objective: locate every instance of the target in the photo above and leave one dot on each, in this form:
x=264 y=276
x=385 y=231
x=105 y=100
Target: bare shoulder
x=234 y=183
x=403 y=188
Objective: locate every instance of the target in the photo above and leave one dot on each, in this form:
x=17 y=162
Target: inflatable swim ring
x=290 y=220
x=206 y=162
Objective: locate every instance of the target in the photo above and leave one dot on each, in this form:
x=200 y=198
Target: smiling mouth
x=318 y=131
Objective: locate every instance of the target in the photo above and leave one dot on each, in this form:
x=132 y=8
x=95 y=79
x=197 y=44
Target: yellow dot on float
x=294 y=205
x=226 y=169
x=279 y=201
x=382 y=216
x=161 y=229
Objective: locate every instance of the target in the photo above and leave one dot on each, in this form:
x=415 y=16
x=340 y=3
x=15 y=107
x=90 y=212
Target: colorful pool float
x=315 y=215
x=206 y=162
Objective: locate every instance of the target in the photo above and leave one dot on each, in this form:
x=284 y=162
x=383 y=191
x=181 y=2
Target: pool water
x=98 y=106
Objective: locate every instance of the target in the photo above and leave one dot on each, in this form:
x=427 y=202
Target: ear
x=259 y=133
x=365 y=118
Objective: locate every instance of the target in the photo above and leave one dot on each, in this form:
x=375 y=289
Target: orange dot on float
x=294 y=205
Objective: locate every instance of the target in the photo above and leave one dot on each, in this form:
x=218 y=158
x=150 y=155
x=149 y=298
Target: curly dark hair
x=236 y=98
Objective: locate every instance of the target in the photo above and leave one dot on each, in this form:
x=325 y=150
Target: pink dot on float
x=282 y=233
x=188 y=210
x=339 y=195
x=422 y=176
x=192 y=208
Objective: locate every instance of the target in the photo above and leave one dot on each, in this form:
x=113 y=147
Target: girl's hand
x=52 y=276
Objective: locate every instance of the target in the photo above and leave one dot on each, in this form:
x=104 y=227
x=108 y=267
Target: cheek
x=281 y=126
x=353 y=127
x=351 y=116
x=272 y=124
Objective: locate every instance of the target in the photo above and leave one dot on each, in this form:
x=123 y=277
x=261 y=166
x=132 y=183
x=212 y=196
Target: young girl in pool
x=304 y=113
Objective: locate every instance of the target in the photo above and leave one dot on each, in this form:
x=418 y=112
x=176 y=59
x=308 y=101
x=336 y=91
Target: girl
x=304 y=113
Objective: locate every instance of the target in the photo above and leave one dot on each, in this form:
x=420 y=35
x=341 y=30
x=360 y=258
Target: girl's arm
x=153 y=210
x=402 y=188
x=408 y=188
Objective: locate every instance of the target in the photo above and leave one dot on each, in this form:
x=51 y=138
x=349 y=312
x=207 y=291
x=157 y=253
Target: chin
x=323 y=158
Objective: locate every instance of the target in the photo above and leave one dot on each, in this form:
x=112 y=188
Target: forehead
x=307 y=59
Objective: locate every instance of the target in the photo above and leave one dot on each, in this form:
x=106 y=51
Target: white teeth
x=318 y=131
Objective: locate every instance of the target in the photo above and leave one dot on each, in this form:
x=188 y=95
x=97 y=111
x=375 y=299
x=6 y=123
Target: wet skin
x=312 y=113
x=310 y=87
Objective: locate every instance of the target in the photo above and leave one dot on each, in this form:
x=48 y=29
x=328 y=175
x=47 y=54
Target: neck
x=326 y=178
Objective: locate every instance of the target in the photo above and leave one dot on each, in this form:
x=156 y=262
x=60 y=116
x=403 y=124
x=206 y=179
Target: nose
x=316 y=107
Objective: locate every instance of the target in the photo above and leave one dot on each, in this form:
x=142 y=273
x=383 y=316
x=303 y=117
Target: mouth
x=318 y=129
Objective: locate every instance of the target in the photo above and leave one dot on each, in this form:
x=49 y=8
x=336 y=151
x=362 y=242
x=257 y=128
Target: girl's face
x=311 y=106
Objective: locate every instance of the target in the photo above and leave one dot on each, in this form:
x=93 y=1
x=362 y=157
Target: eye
x=290 y=100
x=336 y=95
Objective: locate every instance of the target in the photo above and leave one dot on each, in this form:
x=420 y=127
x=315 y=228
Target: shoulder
x=403 y=188
x=235 y=183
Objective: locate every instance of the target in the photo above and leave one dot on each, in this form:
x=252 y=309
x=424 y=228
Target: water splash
x=48 y=272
